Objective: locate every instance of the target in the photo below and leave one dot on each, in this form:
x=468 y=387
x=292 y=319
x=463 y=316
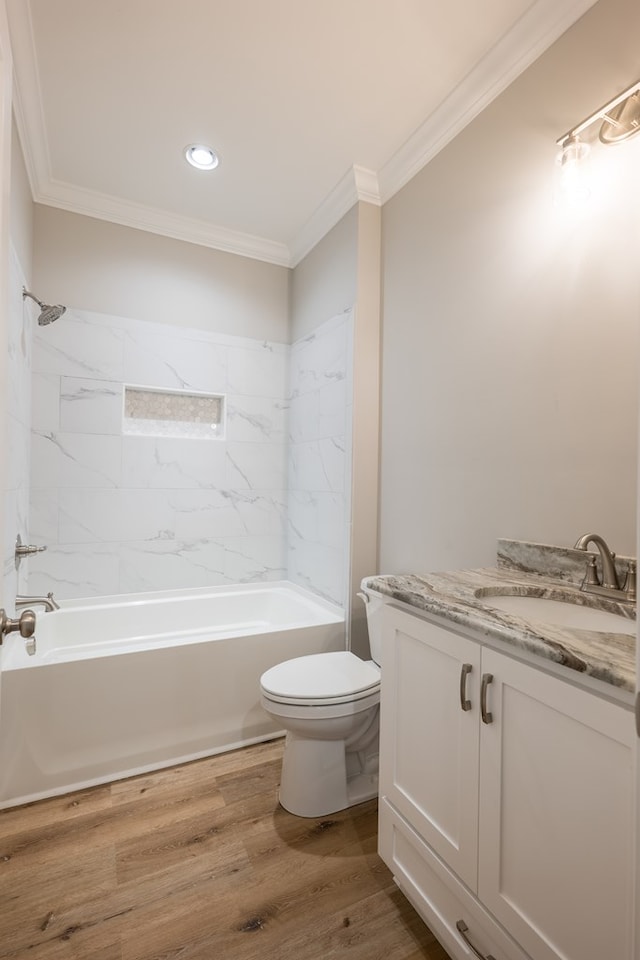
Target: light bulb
x=574 y=186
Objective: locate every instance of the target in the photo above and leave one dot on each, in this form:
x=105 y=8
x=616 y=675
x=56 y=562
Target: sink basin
x=562 y=613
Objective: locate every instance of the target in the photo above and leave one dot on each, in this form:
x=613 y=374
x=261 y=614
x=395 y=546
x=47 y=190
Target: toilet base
x=319 y=777
x=361 y=788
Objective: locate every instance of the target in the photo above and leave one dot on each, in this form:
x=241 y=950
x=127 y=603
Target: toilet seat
x=321 y=679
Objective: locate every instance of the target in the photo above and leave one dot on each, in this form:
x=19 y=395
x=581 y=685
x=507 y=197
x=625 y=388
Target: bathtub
x=123 y=685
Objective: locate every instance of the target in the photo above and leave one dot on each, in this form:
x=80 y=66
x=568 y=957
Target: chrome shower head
x=48 y=312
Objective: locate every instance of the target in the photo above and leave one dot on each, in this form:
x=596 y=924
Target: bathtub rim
x=331 y=609
x=321 y=613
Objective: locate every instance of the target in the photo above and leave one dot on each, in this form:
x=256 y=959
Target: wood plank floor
x=199 y=862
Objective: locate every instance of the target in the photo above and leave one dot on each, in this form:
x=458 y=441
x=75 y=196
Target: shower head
x=48 y=313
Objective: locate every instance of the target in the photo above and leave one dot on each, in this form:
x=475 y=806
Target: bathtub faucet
x=47 y=602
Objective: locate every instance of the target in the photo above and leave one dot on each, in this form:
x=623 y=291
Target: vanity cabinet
x=505 y=799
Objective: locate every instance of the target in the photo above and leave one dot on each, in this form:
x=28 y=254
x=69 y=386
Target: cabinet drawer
x=437 y=895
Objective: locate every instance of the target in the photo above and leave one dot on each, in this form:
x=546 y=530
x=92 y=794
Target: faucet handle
x=630 y=582
x=591 y=574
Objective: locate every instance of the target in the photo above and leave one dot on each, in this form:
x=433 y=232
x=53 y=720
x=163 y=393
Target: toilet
x=328 y=703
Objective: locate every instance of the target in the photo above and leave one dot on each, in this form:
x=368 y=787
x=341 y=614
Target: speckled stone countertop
x=464 y=597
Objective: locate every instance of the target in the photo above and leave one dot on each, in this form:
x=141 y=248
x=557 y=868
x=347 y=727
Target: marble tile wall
x=319 y=458
x=133 y=513
x=18 y=406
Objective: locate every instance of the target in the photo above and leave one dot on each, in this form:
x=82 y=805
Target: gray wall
x=104 y=267
x=510 y=336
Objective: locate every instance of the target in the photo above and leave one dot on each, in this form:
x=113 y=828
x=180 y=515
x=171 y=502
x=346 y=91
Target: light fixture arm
x=601 y=114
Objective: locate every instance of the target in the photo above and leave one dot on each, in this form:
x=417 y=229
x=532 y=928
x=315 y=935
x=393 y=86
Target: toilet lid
x=321 y=676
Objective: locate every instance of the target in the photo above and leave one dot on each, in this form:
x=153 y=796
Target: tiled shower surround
x=261 y=500
x=319 y=457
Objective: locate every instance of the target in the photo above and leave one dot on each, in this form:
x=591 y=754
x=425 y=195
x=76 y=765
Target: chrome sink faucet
x=47 y=602
x=610 y=585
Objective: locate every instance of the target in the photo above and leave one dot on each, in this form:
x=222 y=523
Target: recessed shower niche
x=172 y=413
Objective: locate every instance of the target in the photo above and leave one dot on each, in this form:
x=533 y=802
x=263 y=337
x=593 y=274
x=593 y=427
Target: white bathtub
x=123 y=685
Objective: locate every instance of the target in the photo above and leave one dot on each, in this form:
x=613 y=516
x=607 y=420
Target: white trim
x=27 y=98
x=90 y=203
x=366 y=184
x=533 y=33
x=530 y=36
x=358 y=183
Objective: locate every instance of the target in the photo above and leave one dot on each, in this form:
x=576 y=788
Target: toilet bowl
x=328 y=703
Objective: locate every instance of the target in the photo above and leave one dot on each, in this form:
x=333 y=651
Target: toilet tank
x=374 y=602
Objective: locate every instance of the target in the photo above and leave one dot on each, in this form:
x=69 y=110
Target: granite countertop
x=464 y=597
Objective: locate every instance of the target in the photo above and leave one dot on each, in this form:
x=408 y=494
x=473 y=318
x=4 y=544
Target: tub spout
x=47 y=602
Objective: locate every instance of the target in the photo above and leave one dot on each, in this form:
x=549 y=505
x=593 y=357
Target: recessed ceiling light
x=201 y=157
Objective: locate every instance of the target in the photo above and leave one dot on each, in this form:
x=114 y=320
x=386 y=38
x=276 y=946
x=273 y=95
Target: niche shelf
x=150 y=412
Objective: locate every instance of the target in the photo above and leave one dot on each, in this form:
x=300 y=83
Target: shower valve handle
x=28 y=549
x=23 y=550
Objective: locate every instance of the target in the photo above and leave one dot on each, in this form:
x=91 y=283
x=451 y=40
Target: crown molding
x=366 y=185
x=531 y=35
x=358 y=183
x=141 y=217
x=27 y=98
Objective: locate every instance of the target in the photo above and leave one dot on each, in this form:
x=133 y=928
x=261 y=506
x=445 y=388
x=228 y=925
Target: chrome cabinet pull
x=463 y=930
x=464 y=673
x=487 y=716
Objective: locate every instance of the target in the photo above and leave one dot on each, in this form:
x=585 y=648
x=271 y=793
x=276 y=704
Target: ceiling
x=310 y=104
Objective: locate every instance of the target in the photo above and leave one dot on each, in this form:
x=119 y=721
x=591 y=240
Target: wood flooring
x=199 y=862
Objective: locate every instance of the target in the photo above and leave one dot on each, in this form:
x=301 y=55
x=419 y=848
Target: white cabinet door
x=429 y=744
x=556 y=797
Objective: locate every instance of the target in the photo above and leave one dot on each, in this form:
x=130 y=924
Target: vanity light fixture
x=201 y=157
x=620 y=120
